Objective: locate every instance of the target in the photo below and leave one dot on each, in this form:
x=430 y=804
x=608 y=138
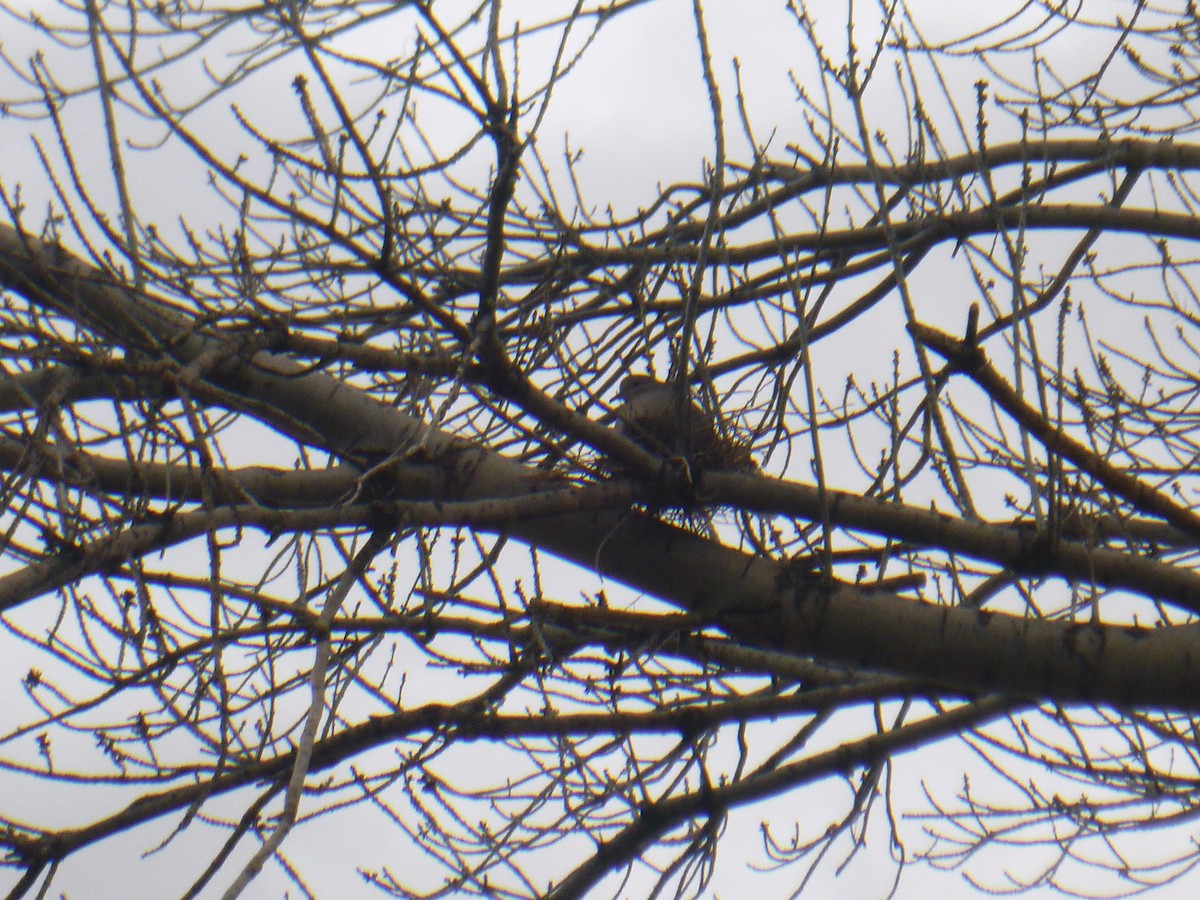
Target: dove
x=648 y=416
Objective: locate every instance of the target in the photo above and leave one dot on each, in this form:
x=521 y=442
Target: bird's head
x=633 y=385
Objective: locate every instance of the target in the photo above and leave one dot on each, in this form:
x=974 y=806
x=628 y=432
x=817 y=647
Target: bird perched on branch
x=648 y=416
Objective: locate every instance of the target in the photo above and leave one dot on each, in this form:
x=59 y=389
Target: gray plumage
x=648 y=416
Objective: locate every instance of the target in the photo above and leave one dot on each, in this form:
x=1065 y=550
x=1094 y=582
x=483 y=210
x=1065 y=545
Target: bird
x=648 y=416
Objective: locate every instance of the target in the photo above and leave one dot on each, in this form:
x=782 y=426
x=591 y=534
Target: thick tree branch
x=758 y=600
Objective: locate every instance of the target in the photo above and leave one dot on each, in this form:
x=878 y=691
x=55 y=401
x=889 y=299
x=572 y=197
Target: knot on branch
x=962 y=355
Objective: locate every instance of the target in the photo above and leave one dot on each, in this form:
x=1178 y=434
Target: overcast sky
x=638 y=108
